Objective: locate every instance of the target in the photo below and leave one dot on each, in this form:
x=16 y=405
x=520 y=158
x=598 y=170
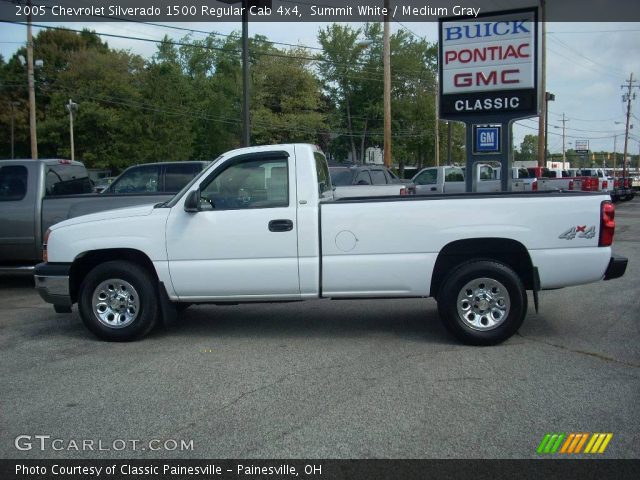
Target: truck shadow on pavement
x=415 y=320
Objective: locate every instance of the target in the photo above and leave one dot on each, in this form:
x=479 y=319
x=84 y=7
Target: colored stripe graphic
x=572 y=443
x=543 y=443
x=598 y=442
x=581 y=443
x=550 y=443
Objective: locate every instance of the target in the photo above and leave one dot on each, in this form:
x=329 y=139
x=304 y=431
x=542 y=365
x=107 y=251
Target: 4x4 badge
x=580 y=231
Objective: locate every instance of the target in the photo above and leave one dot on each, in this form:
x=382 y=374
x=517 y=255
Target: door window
x=378 y=177
x=249 y=184
x=428 y=177
x=454 y=174
x=13 y=182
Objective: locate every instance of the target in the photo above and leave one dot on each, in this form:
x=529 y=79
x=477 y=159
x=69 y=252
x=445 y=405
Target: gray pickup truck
x=35 y=194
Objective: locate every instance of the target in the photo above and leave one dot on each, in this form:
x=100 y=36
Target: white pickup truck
x=260 y=225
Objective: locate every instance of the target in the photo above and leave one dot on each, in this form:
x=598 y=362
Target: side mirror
x=192 y=202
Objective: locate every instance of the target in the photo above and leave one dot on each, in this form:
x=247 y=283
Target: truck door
x=18 y=211
x=242 y=243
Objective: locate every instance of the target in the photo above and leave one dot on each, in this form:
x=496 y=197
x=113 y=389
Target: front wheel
x=482 y=302
x=118 y=301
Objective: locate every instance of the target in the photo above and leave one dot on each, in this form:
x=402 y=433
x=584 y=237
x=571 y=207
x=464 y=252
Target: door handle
x=433 y=189
x=280 y=225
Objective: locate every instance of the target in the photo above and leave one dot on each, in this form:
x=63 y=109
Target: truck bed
x=355 y=254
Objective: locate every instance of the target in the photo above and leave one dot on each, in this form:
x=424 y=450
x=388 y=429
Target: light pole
x=386 y=62
x=548 y=97
x=72 y=107
x=13 y=116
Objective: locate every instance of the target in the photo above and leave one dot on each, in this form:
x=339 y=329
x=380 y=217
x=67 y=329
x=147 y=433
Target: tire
x=118 y=301
x=482 y=302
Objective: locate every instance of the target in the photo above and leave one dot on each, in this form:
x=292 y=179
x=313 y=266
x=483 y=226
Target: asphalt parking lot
x=369 y=379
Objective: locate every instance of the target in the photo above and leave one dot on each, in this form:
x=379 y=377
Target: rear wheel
x=482 y=302
x=118 y=301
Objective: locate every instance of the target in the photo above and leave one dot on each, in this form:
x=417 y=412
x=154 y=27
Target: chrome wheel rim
x=115 y=303
x=483 y=304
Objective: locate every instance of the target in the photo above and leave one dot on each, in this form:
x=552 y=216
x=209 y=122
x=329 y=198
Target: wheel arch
x=86 y=261
x=508 y=251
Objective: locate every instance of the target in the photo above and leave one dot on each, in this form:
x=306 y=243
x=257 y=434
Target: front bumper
x=617 y=267
x=52 y=283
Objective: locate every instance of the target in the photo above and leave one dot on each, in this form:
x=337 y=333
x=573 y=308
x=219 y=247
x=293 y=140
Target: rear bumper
x=617 y=267
x=52 y=283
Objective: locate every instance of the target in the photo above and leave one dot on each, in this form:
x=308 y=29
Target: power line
x=568 y=136
x=354 y=76
x=588 y=67
x=576 y=52
x=588 y=120
x=590 y=32
x=220 y=119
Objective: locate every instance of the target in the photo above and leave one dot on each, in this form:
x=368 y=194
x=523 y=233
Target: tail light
x=605 y=185
x=616 y=183
x=403 y=192
x=45 y=240
x=607 y=223
x=570 y=184
x=534 y=186
x=626 y=183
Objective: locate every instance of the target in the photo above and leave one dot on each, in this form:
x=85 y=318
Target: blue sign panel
x=487 y=139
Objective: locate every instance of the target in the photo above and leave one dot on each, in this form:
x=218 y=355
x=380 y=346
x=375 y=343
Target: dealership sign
x=582 y=146
x=489 y=65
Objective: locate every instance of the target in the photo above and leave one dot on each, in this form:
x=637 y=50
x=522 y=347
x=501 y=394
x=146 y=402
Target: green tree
x=528 y=148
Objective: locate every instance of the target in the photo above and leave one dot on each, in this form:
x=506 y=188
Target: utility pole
x=72 y=107
x=437 y=122
x=246 y=121
x=386 y=61
x=542 y=119
x=564 y=151
x=13 y=116
x=615 y=154
x=32 y=92
x=548 y=97
x=627 y=97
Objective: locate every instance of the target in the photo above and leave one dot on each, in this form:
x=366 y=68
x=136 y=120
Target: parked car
x=35 y=194
x=163 y=177
x=262 y=225
x=367 y=181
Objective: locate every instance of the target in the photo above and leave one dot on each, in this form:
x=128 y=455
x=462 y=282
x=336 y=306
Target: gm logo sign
x=487 y=138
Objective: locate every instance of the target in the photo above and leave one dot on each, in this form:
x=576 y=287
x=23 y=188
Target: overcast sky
x=587 y=64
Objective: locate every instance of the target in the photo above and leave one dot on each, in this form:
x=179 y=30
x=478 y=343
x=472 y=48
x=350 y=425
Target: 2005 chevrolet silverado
x=260 y=225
